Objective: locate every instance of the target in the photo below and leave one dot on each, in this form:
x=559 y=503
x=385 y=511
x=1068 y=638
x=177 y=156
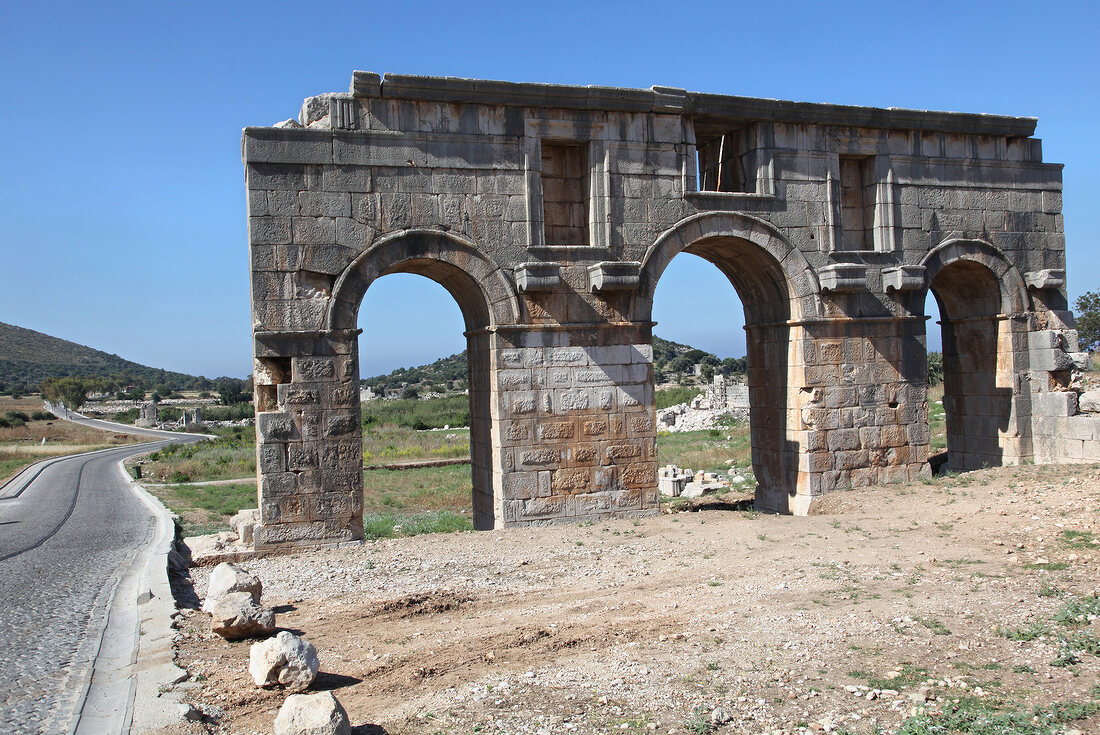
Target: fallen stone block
x=244 y=522
x=237 y=616
x=312 y=714
x=227 y=578
x=285 y=659
x=1089 y=402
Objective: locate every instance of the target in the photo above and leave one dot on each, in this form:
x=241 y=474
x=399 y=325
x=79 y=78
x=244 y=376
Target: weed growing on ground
x=1032 y=631
x=934 y=625
x=979 y=717
x=699 y=723
x=1077 y=610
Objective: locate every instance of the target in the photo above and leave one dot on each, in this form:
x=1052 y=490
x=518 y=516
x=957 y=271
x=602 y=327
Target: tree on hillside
x=70 y=392
x=1087 y=307
x=232 y=390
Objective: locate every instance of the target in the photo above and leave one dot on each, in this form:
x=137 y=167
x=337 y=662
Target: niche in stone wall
x=857 y=203
x=864 y=204
x=565 y=192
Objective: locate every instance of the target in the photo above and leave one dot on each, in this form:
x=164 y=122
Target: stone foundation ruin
x=550 y=212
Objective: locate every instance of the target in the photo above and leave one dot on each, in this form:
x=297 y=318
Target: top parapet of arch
x=670 y=100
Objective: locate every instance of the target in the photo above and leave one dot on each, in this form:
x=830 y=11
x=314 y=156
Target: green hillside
x=28 y=357
x=445 y=373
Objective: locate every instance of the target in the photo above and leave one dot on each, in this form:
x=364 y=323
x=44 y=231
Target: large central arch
x=778 y=290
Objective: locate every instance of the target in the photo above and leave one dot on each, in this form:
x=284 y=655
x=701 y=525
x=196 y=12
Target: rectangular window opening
x=724 y=161
x=565 y=193
x=857 y=202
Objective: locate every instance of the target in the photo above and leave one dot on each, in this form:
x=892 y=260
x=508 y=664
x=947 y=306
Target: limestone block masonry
x=550 y=213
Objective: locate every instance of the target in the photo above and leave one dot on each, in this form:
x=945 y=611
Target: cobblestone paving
x=54 y=597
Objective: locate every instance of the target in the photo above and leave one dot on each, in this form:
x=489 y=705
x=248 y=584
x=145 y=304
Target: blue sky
x=122 y=210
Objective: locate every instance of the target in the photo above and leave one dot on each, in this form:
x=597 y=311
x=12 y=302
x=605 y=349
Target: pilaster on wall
x=309 y=451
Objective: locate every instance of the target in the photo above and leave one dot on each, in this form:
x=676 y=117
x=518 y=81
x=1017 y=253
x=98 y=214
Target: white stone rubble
x=285 y=659
x=312 y=714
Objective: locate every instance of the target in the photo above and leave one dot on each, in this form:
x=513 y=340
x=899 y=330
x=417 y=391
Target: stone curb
x=134 y=660
x=152 y=703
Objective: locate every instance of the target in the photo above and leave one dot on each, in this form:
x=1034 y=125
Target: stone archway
x=486 y=299
x=778 y=290
x=983 y=303
x=309 y=432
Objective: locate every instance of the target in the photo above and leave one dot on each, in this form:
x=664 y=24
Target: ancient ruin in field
x=550 y=212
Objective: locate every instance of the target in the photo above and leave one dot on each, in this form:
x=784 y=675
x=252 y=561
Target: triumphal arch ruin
x=550 y=212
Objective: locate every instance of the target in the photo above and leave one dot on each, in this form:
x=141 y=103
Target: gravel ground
x=892 y=603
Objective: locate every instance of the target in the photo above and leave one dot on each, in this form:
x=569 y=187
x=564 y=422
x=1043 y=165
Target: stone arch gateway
x=550 y=212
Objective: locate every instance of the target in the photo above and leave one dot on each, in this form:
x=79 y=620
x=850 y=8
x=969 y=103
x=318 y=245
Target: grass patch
x=909 y=676
x=669 y=397
x=1078 y=539
x=1077 y=610
x=387 y=444
x=979 y=717
x=936 y=626
x=416 y=489
x=231 y=456
x=708 y=450
x=1032 y=631
x=393 y=525
x=413 y=413
x=205 y=508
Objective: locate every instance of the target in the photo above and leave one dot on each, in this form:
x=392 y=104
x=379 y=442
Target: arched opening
x=414 y=401
x=751 y=259
x=977 y=368
x=484 y=301
x=701 y=393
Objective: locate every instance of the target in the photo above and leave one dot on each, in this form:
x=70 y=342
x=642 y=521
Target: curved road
x=68 y=532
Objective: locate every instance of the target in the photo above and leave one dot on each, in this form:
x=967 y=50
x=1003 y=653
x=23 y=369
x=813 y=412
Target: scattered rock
x=312 y=714
x=238 y=616
x=1089 y=401
x=285 y=659
x=244 y=522
x=719 y=716
x=923 y=694
x=228 y=578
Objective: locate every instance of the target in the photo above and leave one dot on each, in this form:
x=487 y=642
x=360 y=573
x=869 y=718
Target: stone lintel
x=843 y=277
x=614 y=276
x=531 y=277
x=903 y=278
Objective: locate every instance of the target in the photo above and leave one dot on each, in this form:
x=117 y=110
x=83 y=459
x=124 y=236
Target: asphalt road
x=66 y=537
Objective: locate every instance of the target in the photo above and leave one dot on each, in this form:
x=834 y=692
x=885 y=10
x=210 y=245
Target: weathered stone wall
x=550 y=213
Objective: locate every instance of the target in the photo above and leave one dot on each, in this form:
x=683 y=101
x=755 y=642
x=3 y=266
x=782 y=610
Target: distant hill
x=28 y=357
x=443 y=373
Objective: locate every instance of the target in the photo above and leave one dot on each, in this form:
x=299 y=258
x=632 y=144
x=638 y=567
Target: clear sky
x=122 y=209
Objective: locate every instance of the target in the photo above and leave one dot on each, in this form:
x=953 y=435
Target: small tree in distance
x=70 y=392
x=1087 y=309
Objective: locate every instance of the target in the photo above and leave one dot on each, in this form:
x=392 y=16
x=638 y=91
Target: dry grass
x=383 y=444
x=22 y=446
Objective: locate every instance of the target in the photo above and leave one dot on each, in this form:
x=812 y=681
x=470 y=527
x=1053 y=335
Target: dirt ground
x=894 y=603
